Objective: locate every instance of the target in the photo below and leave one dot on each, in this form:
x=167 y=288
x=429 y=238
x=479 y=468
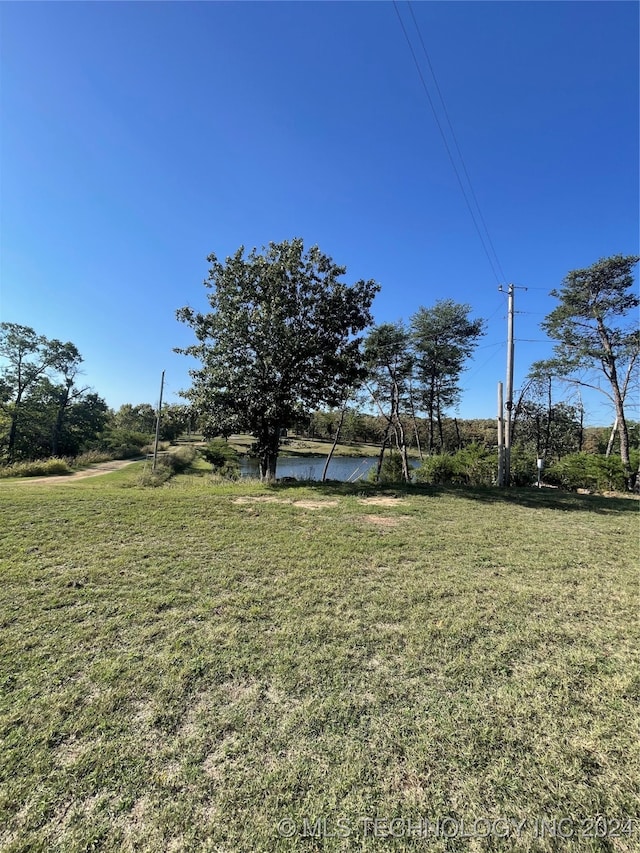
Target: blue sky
x=137 y=138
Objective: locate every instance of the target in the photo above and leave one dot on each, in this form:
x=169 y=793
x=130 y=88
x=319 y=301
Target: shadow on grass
x=527 y=497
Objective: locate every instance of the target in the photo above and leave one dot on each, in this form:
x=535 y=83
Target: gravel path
x=94 y=471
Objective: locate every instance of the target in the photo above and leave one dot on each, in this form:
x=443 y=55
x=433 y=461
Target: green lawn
x=200 y=667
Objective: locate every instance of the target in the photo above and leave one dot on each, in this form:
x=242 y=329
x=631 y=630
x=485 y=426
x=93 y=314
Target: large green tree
x=42 y=408
x=595 y=327
x=444 y=337
x=389 y=363
x=281 y=339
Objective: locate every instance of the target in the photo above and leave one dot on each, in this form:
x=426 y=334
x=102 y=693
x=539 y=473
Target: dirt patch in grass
x=382 y=520
x=265 y=499
x=268 y=499
x=314 y=504
x=380 y=501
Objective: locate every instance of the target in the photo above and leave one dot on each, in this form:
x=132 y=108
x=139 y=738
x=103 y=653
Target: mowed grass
x=201 y=667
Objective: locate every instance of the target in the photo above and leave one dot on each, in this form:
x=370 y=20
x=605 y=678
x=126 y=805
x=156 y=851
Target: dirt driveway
x=94 y=471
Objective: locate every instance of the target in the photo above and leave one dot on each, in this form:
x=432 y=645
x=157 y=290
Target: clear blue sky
x=137 y=138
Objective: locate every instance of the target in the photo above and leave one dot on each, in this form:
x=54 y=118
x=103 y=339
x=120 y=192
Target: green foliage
x=443 y=338
x=179 y=460
x=224 y=459
x=125 y=444
x=545 y=428
x=438 y=469
x=597 y=473
x=474 y=465
x=595 y=326
x=138 y=418
x=281 y=339
x=42 y=411
x=167 y=466
x=43 y=468
x=390 y=471
x=524 y=466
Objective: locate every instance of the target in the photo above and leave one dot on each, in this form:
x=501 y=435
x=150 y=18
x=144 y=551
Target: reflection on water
x=342 y=468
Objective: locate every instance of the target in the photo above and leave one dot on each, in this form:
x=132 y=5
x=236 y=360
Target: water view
x=346 y=469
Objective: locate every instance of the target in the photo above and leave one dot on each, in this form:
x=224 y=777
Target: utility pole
x=155 y=446
x=508 y=403
x=500 y=437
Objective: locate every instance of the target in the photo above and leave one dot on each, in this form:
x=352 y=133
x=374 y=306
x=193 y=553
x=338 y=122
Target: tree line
x=285 y=335
x=46 y=410
x=288 y=343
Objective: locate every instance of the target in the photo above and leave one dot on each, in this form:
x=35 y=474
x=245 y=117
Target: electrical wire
x=446 y=145
x=455 y=141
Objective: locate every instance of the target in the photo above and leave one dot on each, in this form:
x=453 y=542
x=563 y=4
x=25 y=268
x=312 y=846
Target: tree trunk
x=334 y=445
x=440 y=433
x=12 y=433
x=415 y=422
x=383 y=446
x=403 y=452
x=455 y=423
x=57 y=427
x=618 y=399
x=269 y=443
x=612 y=438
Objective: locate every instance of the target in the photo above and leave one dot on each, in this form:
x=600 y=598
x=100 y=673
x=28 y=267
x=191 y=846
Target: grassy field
x=245 y=668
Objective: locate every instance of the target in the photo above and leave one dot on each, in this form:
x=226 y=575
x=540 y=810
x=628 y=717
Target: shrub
x=591 y=471
x=167 y=465
x=124 y=443
x=524 y=468
x=390 y=472
x=223 y=458
x=436 y=470
x=471 y=466
x=179 y=461
x=154 y=478
x=43 y=468
x=91 y=457
x=474 y=465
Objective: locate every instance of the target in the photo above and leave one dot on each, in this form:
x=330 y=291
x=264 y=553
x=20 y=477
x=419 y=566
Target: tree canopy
x=42 y=409
x=443 y=338
x=595 y=326
x=282 y=337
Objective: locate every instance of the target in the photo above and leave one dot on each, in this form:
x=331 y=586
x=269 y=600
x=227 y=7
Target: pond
x=342 y=468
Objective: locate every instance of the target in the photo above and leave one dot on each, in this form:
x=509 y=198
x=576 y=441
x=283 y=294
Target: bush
x=597 y=473
x=91 y=457
x=44 y=468
x=223 y=458
x=471 y=466
x=168 y=465
x=124 y=443
x=176 y=463
x=436 y=470
x=524 y=467
x=476 y=466
x=390 y=472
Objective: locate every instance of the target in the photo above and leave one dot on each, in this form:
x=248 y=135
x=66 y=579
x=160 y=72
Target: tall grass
x=43 y=468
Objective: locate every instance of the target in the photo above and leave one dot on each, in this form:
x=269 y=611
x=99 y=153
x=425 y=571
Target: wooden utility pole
x=509 y=401
x=155 y=446
x=500 y=437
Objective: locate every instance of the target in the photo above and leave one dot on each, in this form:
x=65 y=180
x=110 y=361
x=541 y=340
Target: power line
x=455 y=140
x=446 y=145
